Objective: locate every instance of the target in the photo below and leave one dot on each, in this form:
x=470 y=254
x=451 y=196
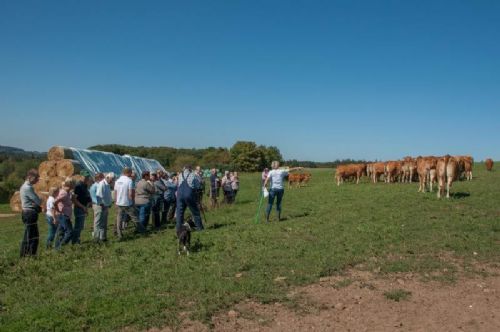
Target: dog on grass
x=184 y=236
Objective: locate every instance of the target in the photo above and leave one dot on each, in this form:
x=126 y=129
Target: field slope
x=141 y=283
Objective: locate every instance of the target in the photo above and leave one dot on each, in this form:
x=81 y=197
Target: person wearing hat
x=187 y=198
x=82 y=202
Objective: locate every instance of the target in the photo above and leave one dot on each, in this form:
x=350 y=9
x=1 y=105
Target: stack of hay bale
x=53 y=172
x=68 y=162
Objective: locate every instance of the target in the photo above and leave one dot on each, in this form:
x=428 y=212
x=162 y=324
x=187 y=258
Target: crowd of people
x=159 y=196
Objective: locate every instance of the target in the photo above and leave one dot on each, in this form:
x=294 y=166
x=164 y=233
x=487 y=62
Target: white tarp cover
x=105 y=162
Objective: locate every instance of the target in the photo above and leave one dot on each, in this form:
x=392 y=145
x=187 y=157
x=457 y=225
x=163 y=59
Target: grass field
x=141 y=282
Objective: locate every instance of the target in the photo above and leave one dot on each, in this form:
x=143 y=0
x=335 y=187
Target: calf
x=489 y=164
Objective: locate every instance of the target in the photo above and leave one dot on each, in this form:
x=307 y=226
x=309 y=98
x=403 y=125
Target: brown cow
x=344 y=172
x=489 y=164
x=409 y=169
x=426 y=169
x=392 y=171
x=468 y=161
x=377 y=170
x=369 y=170
x=448 y=170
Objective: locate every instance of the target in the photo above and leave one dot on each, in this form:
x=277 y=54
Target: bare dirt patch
x=358 y=301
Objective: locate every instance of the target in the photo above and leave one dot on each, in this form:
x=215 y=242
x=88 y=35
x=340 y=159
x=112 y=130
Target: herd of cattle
x=426 y=170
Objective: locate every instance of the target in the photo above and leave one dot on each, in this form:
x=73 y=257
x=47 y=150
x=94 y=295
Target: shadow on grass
x=199 y=246
x=459 y=195
x=220 y=225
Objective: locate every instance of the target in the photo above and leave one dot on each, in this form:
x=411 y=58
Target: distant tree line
x=243 y=156
x=13 y=168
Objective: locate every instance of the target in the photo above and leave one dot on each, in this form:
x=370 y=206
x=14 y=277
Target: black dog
x=184 y=236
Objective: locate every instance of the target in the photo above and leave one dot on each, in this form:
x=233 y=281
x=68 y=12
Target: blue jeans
x=64 y=231
x=156 y=208
x=79 y=224
x=52 y=229
x=182 y=204
x=144 y=213
x=278 y=194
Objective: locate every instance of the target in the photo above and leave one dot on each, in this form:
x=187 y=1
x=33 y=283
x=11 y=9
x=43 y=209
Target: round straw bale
x=42 y=185
x=58 y=153
x=47 y=169
x=55 y=181
x=15 y=202
x=68 y=167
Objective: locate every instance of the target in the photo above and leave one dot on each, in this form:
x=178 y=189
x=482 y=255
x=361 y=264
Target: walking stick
x=257 y=216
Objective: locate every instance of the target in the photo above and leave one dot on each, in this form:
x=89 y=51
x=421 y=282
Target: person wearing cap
x=125 y=196
x=31 y=205
x=82 y=201
x=187 y=198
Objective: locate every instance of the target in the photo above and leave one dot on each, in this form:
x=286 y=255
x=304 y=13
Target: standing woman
x=31 y=205
x=235 y=184
x=144 y=192
x=277 y=189
x=50 y=215
x=64 y=204
x=227 y=187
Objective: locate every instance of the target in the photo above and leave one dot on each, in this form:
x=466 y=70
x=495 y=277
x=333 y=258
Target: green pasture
x=141 y=282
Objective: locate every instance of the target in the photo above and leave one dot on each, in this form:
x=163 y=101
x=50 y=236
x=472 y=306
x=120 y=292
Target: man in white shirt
x=125 y=196
x=277 y=188
x=101 y=208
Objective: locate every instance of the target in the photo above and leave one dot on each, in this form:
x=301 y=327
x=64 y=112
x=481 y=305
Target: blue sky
x=319 y=79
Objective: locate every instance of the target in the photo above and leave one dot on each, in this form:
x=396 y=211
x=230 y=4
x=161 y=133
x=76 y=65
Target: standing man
x=159 y=193
x=186 y=198
x=170 y=195
x=81 y=204
x=201 y=190
x=125 y=196
x=31 y=205
x=93 y=196
x=277 y=189
x=214 y=188
x=144 y=192
x=101 y=210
